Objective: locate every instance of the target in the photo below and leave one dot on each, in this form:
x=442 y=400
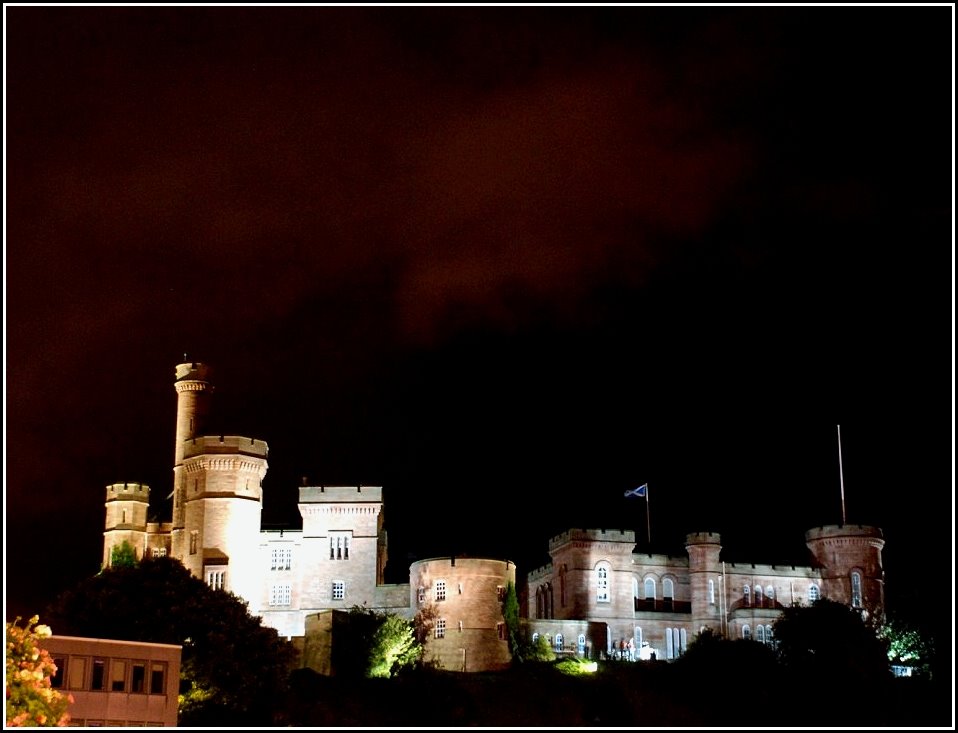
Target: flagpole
x=841 y=475
x=648 y=520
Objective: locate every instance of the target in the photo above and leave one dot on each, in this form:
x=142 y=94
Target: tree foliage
x=510 y=614
x=233 y=668
x=908 y=646
x=123 y=555
x=374 y=644
x=830 y=642
x=540 y=651
x=31 y=700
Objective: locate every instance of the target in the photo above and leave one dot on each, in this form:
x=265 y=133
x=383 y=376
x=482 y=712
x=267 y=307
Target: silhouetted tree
x=233 y=669
x=510 y=614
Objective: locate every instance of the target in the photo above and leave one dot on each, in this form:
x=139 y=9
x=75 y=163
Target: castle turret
x=705 y=581
x=849 y=557
x=126 y=508
x=193 y=390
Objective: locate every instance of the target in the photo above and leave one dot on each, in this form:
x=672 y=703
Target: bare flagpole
x=841 y=475
x=648 y=519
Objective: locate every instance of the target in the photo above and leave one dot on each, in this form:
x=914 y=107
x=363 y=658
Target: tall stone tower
x=705 y=580
x=849 y=557
x=193 y=393
x=126 y=509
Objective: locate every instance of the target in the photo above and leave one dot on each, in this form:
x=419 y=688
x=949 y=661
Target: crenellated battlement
x=128 y=492
x=703 y=538
x=334 y=494
x=225 y=445
x=592 y=535
x=193 y=371
x=844 y=531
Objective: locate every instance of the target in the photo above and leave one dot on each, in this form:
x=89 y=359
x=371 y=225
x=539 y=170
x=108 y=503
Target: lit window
x=602 y=591
x=535 y=637
x=711 y=591
x=768 y=634
x=760 y=634
x=500 y=593
x=747 y=595
x=813 y=593
x=746 y=632
x=216 y=579
x=339 y=590
x=159 y=552
x=280 y=558
x=280 y=595
x=770 y=596
x=649 y=589
x=422 y=595
x=581 y=641
x=669 y=648
x=440 y=628
x=118 y=675
x=558 y=641
x=758 y=596
x=856 y=590
x=683 y=639
x=194 y=540
x=440 y=590
x=77 y=673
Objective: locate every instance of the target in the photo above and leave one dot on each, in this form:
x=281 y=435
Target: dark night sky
x=505 y=262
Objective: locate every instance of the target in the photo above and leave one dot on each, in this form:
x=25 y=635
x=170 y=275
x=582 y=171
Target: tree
x=31 y=700
x=123 y=555
x=829 y=641
x=374 y=644
x=541 y=651
x=233 y=668
x=908 y=646
x=510 y=614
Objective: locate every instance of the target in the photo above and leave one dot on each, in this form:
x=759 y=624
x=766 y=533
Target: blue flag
x=643 y=490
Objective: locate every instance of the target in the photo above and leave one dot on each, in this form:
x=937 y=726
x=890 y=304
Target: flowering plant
x=31 y=700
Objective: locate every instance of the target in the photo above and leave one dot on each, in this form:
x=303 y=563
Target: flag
x=643 y=490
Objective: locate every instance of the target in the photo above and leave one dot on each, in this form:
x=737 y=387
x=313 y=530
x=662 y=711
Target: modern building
x=117 y=683
x=595 y=597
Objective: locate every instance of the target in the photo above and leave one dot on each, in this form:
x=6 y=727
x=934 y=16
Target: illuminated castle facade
x=595 y=596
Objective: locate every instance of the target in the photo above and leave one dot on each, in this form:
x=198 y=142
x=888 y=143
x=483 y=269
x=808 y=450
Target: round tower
x=126 y=509
x=193 y=395
x=849 y=557
x=705 y=581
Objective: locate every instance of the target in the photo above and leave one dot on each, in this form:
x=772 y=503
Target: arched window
x=558 y=642
x=758 y=596
x=768 y=634
x=813 y=593
x=581 y=644
x=638 y=637
x=649 y=593
x=602 y=588
x=676 y=642
x=747 y=595
x=746 y=632
x=711 y=591
x=769 y=596
x=669 y=649
x=760 y=634
x=683 y=639
x=668 y=591
x=856 y=589
x=535 y=637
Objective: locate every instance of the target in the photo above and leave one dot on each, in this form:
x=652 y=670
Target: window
x=281 y=595
x=216 y=579
x=649 y=589
x=500 y=631
x=440 y=590
x=280 y=558
x=535 y=637
x=56 y=680
x=77 y=673
x=138 y=678
x=758 y=596
x=194 y=540
x=683 y=640
x=558 y=642
x=856 y=590
x=711 y=591
x=760 y=634
x=668 y=591
x=460 y=626
x=813 y=593
x=500 y=593
x=669 y=648
x=602 y=589
x=99 y=669
x=581 y=643
x=422 y=594
x=339 y=590
x=768 y=634
x=118 y=675
x=769 y=596
x=746 y=632
x=460 y=589
x=747 y=595
x=157 y=675
x=159 y=552
x=637 y=631
x=339 y=547
x=440 y=628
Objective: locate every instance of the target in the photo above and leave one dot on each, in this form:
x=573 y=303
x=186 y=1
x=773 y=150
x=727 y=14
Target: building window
x=535 y=637
x=500 y=631
x=216 y=579
x=332 y=548
x=500 y=593
x=649 y=589
x=281 y=595
x=760 y=634
x=668 y=592
x=138 y=678
x=770 y=596
x=558 y=642
x=339 y=590
x=56 y=680
x=99 y=670
x=669 y=649
x=440 y=628
x=280 y=558
x=422 y=595
x=460 y=626
x=440 y=590
x=637 y=631
x=158 y=552
x=581 y=643
x=768 y=634
x=711 y=591
x=683 y=641
x=602 y=580
x=194 y=540
x=157 y=675
x=856 y=590
x=813 y=593
x=77 y=673
x=758 y=596
x=746 y=632
x=118 y=675
x=747 y=595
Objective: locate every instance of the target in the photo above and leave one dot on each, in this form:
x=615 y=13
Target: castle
x=598 y=596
